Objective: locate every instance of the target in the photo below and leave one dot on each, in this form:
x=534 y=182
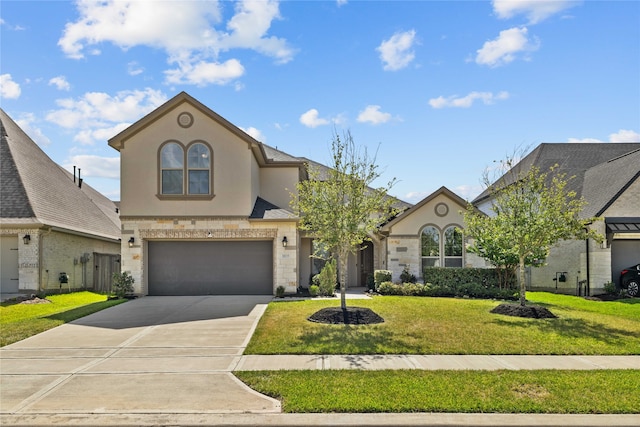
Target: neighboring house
x=429 y=234
x=50 y=223
x=607 y=176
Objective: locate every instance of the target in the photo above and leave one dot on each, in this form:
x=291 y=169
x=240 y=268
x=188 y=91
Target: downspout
x=588 y=269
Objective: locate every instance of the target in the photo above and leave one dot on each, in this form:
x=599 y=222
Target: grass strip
x=539 y=392
x=423 y=325
x=20 y=321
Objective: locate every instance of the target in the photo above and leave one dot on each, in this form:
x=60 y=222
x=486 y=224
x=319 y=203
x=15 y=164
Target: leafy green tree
x=337 y=206
x=530 y=212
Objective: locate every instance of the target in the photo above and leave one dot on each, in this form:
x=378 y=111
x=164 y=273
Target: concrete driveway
x=149 y=355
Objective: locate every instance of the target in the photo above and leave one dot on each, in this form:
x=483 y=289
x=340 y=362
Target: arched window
x=430 y=243
x=452 y=247
x=198 y=166
x=172 y=167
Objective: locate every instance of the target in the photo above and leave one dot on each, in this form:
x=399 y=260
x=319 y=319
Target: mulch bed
x=350 y=316
x=527 y=311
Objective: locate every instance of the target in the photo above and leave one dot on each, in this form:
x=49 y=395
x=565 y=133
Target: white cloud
x=487 y=98
x=341 y=3
x=415 y=196
x=535 y=10
x=96 y=166
x=506 y=47
x=311 y=119
x=60 y=82
x=254 y=133
x=203 y=73
x=27 y=124
x=8 y=88
x=468 y=192
x=624 y=135
x=99 y=116
x=372 y=114
x=583 y=140
x=184 y=30
x=133 y=68
x=396 y=53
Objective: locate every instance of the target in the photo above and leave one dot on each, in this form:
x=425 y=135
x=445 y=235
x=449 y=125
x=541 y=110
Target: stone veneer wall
x=285 y=260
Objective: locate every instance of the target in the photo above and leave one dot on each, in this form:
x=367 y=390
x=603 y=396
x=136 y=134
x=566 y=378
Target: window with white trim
x=441 y=248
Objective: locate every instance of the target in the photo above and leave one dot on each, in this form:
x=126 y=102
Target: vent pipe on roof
x=74 y=174
x=79 y=179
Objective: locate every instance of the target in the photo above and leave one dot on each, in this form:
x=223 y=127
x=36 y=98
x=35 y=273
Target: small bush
x=371 y=282
x=280 y=291
x=610 y=288
x=314 y=290
x=122 y=284
x=315 y=280
x=389 y=288
x=328 y=279
x=406 y=276
x=380 y=276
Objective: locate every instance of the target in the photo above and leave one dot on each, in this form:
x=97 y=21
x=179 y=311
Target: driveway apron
x=149 y=355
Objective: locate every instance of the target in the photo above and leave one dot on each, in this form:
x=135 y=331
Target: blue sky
x=439 y=89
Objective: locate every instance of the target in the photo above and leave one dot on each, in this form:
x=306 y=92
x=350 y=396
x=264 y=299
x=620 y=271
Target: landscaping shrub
x=328 y=279
x=610 y=288
x=314 y=290
x=468 y=290
x=280 y=291
x=380 y=276
x=487 y=277
x=122 y=284
x=371 y=283
x=406 y=276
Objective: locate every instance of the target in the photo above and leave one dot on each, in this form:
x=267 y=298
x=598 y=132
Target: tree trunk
x=342 y=268
x=523 y=287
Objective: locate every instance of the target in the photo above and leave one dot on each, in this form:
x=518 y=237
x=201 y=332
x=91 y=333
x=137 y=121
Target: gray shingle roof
x=39 y=191
x=574 y=159
x=605 y=182
x=267 y=210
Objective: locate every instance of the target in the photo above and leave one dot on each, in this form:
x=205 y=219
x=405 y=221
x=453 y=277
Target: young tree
x=530 y=212
x=338 y=208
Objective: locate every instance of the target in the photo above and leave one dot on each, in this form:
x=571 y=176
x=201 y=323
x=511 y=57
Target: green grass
x=420 y=325
x=560 y=392
x=20 y=321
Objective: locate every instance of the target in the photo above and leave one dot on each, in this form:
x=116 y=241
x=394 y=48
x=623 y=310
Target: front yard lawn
x=560 y=392
x=20 y=321
x=422 y=325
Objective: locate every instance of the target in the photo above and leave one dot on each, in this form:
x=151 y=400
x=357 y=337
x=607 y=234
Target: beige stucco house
x=205 y=208
x=429 y=234
x=51 y=223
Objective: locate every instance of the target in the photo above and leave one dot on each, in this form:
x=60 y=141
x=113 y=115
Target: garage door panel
x=210 y=268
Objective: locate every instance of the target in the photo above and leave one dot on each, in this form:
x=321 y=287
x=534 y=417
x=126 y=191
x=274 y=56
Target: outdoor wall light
x=26 y=239
x=131 y=242
x=209 y=235
x=284 y=242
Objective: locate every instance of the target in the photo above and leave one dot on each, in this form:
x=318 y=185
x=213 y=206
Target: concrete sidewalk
x=434 y=362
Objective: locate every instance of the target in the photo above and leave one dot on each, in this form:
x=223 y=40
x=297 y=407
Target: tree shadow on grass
x=572 y=328
x=349 y=339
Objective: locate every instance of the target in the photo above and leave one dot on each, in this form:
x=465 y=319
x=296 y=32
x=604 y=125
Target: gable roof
x=36 y=191
x=442 y=190
x=604 y=183
x=265 y=155
x=574 y=159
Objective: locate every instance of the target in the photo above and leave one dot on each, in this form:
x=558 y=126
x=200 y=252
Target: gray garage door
x=210 y=268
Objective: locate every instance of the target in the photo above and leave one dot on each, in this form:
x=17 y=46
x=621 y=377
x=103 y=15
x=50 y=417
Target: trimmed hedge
x=453 y=277
x=468 y=290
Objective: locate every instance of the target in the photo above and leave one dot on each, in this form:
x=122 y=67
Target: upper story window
x=185 y=172
x=198 y=165
x=172 y=165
